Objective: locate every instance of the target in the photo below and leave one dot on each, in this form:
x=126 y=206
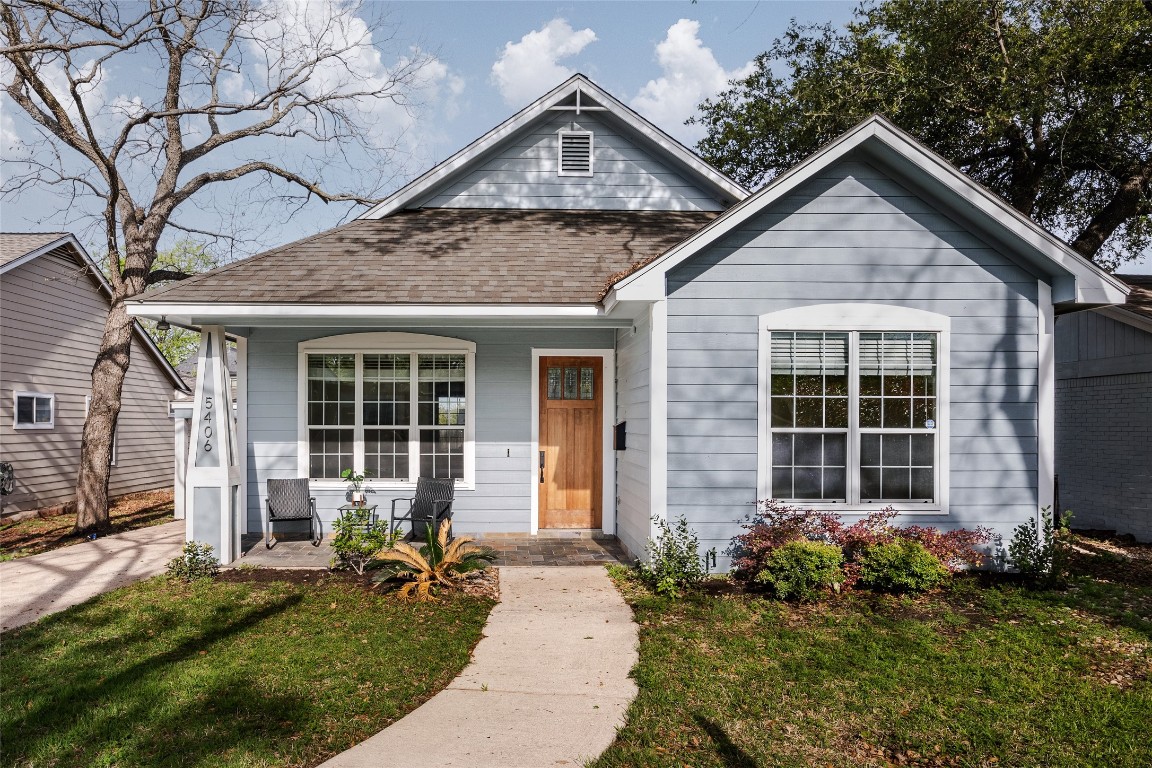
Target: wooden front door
x=571 y=442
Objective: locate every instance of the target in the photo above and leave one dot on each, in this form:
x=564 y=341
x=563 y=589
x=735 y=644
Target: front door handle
x=541 y=466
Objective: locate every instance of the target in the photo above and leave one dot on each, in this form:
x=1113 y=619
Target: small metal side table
x=373 y=519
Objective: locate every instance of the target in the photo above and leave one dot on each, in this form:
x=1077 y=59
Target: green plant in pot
x=356 y=480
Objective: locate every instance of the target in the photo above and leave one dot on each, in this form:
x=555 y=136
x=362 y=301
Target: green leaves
x=1045 y=102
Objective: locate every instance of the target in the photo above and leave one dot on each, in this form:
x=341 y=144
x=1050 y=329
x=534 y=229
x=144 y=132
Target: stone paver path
x=548 y=684
x=37 y=585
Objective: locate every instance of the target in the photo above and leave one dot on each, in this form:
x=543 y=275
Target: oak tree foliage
x=1048 y=103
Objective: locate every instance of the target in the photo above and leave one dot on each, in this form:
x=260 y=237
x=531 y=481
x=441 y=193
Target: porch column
x=212 y=488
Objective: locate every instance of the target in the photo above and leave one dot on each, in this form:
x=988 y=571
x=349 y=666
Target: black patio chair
x=431 y=506
x=290 y=500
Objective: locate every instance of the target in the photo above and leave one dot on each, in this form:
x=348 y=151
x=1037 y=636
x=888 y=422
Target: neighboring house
x=1104 y=414
x=53 y=304
x=588 y=326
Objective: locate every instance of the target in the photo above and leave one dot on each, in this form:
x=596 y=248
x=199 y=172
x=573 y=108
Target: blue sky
x=488 y=59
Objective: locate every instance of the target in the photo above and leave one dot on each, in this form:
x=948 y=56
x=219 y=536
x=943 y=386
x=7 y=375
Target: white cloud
x=691 y=74
x=528 y=69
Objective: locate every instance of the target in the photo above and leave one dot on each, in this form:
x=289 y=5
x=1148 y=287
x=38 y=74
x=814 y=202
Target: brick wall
x=1104 y=452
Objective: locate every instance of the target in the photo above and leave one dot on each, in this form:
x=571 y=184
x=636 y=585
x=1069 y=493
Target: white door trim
x=608 y=478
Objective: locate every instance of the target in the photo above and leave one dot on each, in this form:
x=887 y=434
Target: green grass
x=224 y=674
x=973 y=676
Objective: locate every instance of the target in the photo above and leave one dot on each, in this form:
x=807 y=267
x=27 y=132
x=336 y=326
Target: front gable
x=612 y=159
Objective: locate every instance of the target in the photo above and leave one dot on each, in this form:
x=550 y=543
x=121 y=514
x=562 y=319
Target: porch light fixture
x=163 y=326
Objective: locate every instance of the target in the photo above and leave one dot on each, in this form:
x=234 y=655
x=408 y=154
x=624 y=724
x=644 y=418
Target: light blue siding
x=851 y=235
x=501 y=406
x=633 y=465
x=522 y=173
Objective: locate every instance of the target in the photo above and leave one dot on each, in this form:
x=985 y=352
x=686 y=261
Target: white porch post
x=180 y=439
x=212 y=487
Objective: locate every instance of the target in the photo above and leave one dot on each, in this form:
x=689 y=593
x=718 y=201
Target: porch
x=512 y=549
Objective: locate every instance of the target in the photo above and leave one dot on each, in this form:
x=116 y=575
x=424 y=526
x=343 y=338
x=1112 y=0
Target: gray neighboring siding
x=633 y=381
x=521 y=173
x=501 y=404
x=850 y=235
x=51 y=320
x=1104 y=423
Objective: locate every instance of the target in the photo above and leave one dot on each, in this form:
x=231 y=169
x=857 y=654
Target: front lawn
x=34 y=535
x=251 y=672
x=976 y=675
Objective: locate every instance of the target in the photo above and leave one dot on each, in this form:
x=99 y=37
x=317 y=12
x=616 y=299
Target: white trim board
x=608 y=481
x=1045 y=398
x=850 y=318
x=1080 y=281
x=578 y=84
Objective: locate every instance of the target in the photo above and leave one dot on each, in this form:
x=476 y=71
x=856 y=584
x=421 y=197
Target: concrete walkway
x=35 y=586
x=548 y=684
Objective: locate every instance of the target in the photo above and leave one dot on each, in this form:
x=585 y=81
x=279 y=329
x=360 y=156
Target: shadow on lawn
x=732 y=755
x=124 y=719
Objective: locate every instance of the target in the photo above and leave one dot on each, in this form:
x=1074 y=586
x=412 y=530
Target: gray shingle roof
x=448 y=256
x=13 y=245
x=1140 y=298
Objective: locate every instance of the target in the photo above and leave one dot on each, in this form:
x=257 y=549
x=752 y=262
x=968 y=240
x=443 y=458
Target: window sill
x=33 y=426
x=926 y=510
x=376 y=489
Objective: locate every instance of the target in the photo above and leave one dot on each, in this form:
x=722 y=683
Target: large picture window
x=399 y=415
x=853 y=417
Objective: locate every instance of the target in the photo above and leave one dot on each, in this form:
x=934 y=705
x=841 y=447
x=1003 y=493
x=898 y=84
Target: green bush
x=195 y=562
x=802 y=569
x=901 y=566
x=674 y=561
x=357 y=541
x=1041 y=554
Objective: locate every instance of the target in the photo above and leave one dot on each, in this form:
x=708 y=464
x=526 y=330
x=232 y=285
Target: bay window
x=852 y=408
x=397 y=414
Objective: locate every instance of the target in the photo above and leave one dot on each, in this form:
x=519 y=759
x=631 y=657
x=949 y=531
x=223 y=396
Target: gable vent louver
x=575 y=153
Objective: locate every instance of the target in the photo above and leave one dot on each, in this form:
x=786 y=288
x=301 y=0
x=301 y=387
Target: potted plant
x=357 y=481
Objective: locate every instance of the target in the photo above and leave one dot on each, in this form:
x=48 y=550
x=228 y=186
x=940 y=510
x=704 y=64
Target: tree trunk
x=99 y=428
x=1129 y=201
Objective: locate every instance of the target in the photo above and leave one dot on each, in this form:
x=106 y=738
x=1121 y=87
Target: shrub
x=674 y=561
x=776 y=524
x=438 y=564
x=1039 y=554
x=195 y=562
x=357 y=541
x=802 y=569
x=903 y=565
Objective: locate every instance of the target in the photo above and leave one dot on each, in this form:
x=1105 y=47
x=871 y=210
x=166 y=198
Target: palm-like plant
x=438 y=563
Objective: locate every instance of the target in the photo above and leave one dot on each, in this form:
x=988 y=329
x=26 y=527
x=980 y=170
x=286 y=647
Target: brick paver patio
x=554 y=549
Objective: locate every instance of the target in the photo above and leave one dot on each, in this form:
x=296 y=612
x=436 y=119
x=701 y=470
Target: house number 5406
x=207 y=430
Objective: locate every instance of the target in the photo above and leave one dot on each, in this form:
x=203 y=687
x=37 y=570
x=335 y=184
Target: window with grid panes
x=853 y=416
x=399 y=416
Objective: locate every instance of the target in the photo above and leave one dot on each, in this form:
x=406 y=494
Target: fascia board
x=442 y=173
x=153 y=309
x=1092 y=284
x=1127 y=317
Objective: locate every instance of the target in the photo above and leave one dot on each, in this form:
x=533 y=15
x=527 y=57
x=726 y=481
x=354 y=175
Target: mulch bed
x=53 y=529
x=484 y=583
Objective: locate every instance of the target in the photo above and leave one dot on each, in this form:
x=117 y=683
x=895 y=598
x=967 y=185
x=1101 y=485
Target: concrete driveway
x=38 y=585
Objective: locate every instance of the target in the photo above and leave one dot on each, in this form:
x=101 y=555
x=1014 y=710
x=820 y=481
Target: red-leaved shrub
x=775 y=524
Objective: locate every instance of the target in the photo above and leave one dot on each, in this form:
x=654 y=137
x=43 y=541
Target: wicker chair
x=290 y=500
x=431 y=506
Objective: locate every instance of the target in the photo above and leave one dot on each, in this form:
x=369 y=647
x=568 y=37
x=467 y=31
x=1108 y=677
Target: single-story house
x=54 y=304
x=588 y=326
x=1104 y=414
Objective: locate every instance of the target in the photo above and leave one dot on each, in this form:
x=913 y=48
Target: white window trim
x=846 y=318
x=560 y=153
x=384 y=343
x=16 y=395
